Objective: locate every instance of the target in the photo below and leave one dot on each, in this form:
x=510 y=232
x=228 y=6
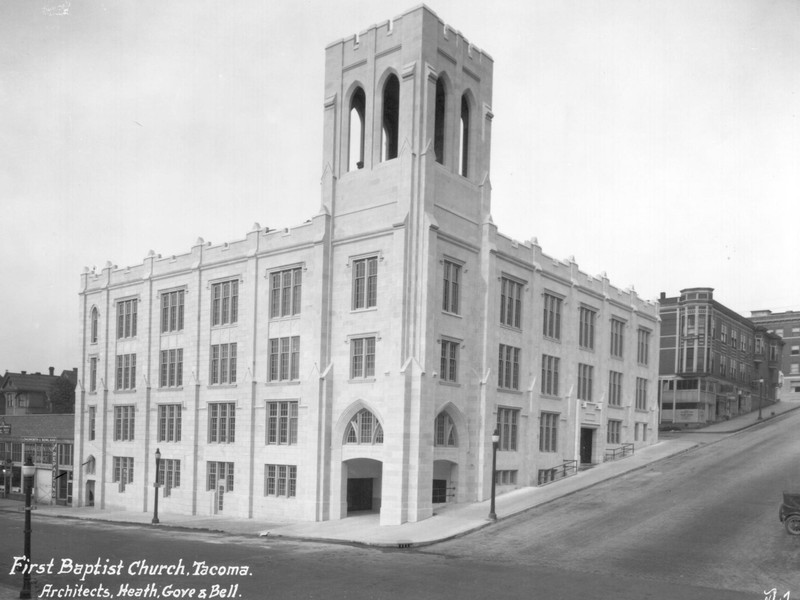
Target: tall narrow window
x=93 y=374
x=463 y=160
x=449 y=364
x=285 y=288
x=356 y=154
x=172 y=311
x=94 y=325
x=510 y=302
x=550 y=375
x=452 y=282
x=225 y=302
x=391 y=117
x=617 y=332
x=552 y=317
x=126 y=318
x=585 y=382
x=438 y=122
x=365 y=282
x=586 y=330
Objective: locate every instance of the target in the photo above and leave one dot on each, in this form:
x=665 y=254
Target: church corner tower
x=407 y=134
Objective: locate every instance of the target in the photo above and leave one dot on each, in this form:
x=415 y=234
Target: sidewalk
x=448 y=521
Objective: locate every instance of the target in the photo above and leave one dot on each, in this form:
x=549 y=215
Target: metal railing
x=621 y=452
x=565 y=469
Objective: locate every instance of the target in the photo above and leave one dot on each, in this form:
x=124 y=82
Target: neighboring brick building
x=28 y=426
x=714 y=363
x=786 y=325
x=363 y=359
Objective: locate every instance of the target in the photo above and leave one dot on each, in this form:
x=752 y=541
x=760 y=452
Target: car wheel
x=792 y=524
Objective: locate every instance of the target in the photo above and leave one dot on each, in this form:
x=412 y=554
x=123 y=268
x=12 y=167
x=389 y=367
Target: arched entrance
x=445 y=478
x=364 y=477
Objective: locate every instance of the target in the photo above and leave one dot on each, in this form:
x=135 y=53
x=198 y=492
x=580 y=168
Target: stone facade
x=362 y=360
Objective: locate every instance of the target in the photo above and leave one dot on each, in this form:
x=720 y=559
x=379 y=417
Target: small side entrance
x=587 y=440
x=90 y=492
x=359 y=494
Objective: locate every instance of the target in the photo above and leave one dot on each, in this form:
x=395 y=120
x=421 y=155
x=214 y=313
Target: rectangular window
x=506 y=477
x=449 y=361
x=123 y=469
x=284 y=359
x=285 y=289
x=614 y=388
x=617 y=333
x=613 y=434
x=221 y=422
x=93 y=374
x=510 y=302
x=365 y=282
x=282 y=423
x=126 y=372
x=362 y=357
x=225 y=302
x=220 y=472
x=172 y=311
x=65 y=455
x=508 y=368
x=550 y=365
x=643 y=347
x=124 y=421
x=723 y=333
x=507 y=419
x=585 y=382
x=126 y=318
x=280 y=480
x=451 y=290
x=548 y=432
x=171 y=372
x=169 y=423
x=795 y=350
x=169 y=475
x=641 y=393
x=92 y=422
x=223 y=364
x=552 y=317
x=586 y=328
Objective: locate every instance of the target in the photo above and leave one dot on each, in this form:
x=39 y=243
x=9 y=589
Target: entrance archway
x=364 y=477
x=445 y=478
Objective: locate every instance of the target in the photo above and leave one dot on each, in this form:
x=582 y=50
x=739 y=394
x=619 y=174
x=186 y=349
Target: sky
x=657 y=141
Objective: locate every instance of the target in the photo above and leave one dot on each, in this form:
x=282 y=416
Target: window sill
x=133 y=391
x=551 y=396
x=171 y=389
x=446 y=383
x=221 y=386
x=294 y=317
x=451 y=314
x=279 y=382
x=508 y=327
x=365 y=309
x=362 y=380
x=509 y=391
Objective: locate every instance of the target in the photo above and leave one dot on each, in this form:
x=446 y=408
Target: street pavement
x=448 y=521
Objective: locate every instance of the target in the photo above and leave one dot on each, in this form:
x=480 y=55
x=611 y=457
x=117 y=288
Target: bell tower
x=407 y=119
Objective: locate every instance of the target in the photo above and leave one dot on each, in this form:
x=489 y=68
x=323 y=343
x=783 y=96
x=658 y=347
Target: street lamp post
x=155 y=486
x=28 y=471
x=495 y=442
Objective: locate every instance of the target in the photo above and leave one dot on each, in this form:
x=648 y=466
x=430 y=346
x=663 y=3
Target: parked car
x=790 y=512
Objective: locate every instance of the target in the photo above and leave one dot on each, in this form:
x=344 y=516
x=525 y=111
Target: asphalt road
x=700 y=526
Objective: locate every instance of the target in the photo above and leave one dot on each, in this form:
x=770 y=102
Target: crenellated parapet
x=567 y=272
x=259 y=242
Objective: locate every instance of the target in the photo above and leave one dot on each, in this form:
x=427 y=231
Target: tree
x=62 y=398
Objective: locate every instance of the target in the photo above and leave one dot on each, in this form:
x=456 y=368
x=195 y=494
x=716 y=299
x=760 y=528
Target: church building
x=362 y=360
